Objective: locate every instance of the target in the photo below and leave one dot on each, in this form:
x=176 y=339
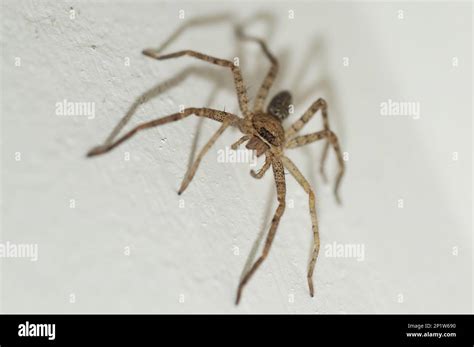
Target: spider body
x=269 y=133
x=267 y=126
x=263 y=132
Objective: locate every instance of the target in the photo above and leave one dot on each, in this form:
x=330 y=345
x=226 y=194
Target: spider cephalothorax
x=264 y=133
x=269 y=132
x=268 y=125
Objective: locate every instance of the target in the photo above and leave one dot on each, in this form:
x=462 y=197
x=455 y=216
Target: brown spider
x=264 y=133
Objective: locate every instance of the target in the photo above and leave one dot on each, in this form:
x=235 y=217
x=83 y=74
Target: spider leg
x=261 y=172
x=330 y=138
x=238 y=79
x=295 y=172
x=239 y=142
x=299 y=141
x=192 y=170
x=319 y=104
x=220 y=116
x=323 y=160
x=279 y=175
x=305 y=118
x=271 y=75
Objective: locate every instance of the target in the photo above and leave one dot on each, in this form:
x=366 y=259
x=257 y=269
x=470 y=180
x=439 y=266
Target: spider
x=263 y=133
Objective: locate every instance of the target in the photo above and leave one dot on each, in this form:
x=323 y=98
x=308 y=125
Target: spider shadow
x=316 y=53
x=205 y=72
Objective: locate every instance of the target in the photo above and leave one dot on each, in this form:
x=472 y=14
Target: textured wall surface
x=113 y=235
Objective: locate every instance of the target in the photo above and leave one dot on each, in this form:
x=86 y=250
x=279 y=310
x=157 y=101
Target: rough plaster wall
x=190 y=252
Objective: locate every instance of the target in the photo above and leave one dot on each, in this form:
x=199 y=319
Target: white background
x=190 y=252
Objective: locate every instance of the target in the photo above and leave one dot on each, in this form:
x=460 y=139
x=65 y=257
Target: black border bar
x=318 y=329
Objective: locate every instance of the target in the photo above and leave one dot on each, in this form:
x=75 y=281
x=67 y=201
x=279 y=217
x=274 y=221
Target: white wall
x=190 y=251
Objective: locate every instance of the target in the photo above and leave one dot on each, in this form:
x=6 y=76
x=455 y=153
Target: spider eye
x=279 y=106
